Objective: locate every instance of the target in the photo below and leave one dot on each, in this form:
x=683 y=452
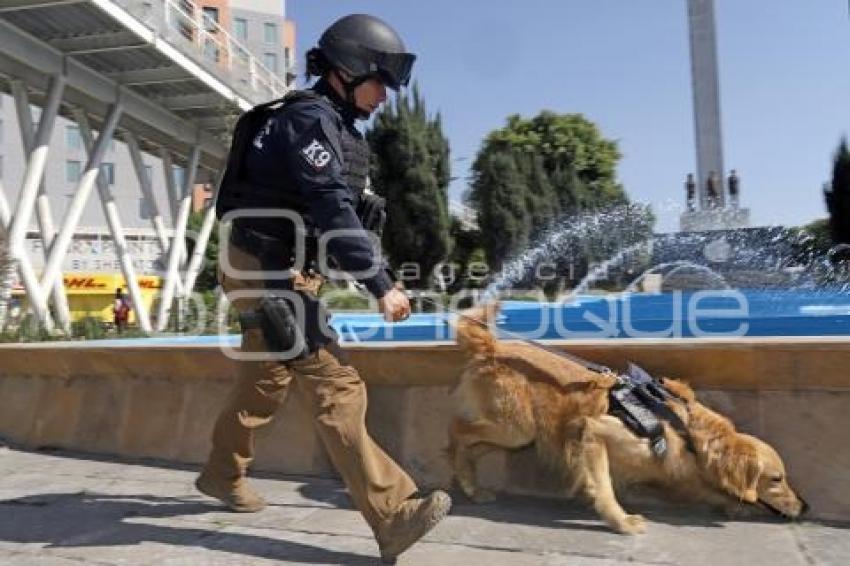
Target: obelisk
x=705 y=81
x=708 y=213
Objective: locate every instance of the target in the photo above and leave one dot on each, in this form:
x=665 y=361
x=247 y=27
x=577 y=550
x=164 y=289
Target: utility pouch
x=281 y=330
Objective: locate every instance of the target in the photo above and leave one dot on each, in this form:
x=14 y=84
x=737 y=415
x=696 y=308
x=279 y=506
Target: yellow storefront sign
x=93 y=294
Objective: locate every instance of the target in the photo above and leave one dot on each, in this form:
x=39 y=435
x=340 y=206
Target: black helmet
x=364 y=46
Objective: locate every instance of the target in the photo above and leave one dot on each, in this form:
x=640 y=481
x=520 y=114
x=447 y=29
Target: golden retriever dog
x=513 y=394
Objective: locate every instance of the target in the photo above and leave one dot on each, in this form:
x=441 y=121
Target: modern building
x=260 y=26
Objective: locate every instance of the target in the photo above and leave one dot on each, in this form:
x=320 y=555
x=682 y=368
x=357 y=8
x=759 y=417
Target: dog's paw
x=483 y=496
x=631 y=525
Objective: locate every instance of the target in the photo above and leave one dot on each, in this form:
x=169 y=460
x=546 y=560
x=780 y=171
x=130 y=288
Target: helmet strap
x=350 y=85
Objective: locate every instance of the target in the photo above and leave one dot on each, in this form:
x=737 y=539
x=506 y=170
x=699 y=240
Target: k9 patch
x=316 y=154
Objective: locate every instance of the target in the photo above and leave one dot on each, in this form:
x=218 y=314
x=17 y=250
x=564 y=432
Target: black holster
x=281 y=329
x=291 y=331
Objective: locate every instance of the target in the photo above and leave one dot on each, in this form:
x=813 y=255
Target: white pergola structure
x=154 y=73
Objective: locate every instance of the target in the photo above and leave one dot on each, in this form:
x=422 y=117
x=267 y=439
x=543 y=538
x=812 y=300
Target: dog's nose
x=804 y=506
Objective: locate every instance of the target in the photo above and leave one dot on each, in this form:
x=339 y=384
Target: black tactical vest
x=355 y=169
x=236 y=192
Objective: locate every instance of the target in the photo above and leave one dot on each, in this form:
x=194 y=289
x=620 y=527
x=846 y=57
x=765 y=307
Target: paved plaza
x=61 y=508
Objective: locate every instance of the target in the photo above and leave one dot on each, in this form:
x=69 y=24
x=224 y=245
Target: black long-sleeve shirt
x=299 y=150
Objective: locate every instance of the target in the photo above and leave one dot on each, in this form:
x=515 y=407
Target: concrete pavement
x=60 y=508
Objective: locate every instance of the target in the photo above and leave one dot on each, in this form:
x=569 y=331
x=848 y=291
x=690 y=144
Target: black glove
x=372 y=211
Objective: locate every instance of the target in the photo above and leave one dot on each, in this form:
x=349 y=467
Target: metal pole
x=24 y=266
x=177 y=243
x=5 y=214
x=6 y=273
x=81 y=195
x=113 y=219
x=147 y=191
x=147 y=194
x=29 y=191
x=203 y=240
x=170 y=186
x=35 y=166
x=174 y=195
x=42 y=203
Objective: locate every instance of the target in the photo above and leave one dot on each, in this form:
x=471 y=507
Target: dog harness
x=640 y=401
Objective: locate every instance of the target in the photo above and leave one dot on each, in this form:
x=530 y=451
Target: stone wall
x=161 y=402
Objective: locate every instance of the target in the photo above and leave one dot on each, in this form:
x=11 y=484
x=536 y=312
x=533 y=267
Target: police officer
x=303 y=157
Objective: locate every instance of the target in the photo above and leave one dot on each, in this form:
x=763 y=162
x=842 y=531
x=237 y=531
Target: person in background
x=120 y=311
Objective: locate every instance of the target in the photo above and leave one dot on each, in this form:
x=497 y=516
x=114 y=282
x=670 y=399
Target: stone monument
x=711 y=209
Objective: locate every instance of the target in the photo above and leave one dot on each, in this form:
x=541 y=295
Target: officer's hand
x=394 y=306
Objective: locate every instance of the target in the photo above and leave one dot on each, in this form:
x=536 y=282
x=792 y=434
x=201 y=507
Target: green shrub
x=88 y=328
x=339 y=300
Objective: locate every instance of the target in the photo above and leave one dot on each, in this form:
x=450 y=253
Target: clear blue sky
x=784 y=78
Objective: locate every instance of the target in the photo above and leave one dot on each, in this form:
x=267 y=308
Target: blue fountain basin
x=628 y=315
x=635 y=315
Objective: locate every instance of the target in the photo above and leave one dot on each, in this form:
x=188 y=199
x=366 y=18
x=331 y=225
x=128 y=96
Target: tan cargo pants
x=337 y=396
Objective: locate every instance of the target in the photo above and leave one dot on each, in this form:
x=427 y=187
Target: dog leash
x=587 y=364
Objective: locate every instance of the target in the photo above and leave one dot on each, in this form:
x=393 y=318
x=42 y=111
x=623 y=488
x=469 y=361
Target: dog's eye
x=776 y=479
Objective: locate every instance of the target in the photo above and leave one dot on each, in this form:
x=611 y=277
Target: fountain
x=599 y=234
x=681 y=275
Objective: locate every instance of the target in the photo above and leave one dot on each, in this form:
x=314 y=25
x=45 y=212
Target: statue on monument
x=691 y=192
x=711 y=190
x=734 y=185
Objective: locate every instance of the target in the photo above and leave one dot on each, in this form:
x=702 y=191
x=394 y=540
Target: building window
x=1 y=131
x=240 y=28
x=287 y=59
x=73 y=140
x=1 y=166
x=210 y=18
x=108 y=171
x=270 y=61
x=149 y=173
x=270 y=33
x=73 y=169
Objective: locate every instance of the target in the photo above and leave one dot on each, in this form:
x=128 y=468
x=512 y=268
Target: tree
x=820 y=233
x=500 y=196
x=410 y=168
x=466 y=249
x=838 y=196
x=533 y=172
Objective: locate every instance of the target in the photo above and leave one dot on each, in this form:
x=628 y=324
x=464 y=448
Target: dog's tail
x=473 y=330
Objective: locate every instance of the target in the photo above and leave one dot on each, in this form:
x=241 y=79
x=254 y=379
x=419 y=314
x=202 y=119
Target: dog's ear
x=740 y=470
